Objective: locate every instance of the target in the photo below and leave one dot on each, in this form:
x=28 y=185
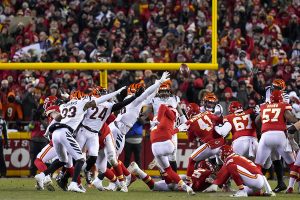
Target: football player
x=272 y=122
x=165 y=96
x=242 y=126
x=202 y=126
x=246 y=175
x=62 y=129
x=277 y=84
x=87 y=134
x=162 y=145
x=201 y=177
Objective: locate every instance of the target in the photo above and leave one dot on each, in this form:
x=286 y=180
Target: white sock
x=267 y=186
x=292 y=182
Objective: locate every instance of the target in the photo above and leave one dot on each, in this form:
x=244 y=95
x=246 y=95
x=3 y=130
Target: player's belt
x=89 y=129
x=56 y=126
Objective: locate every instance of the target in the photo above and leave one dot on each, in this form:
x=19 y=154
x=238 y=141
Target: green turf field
x=23 y=188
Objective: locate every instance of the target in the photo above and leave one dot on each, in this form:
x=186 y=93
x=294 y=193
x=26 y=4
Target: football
x=184 y=70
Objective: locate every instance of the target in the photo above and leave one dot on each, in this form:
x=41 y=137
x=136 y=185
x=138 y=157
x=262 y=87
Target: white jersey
x=72 y=112
x=96 y=117
x=286 y=97
x=157 y=101
x=130 y=113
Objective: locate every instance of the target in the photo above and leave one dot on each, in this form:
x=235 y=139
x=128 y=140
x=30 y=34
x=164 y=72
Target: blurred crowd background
x=261 y=34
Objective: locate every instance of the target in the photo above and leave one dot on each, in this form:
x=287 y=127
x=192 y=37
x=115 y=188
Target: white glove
x=257 y=109
x=209 y=180
x=218 y=110
x=153 y=124
x=65 y=95
x=212 y=188
x=164 y=77
x=183 y=127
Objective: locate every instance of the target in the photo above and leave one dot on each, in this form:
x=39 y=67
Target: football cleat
x=39 y=181
x=73 y=187
x=63 y=183
x=111 y=186
x=88 y=177
x=240 y=193
x=97 y=183
x=271 y=194
x=48 y=183
x=130 y=179
x=122 y=187
x=81 y=187
x=289 y=190
x=280 y=187
x=212 y=188
x=190 y=191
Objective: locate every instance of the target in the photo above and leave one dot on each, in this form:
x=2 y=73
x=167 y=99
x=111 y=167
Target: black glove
x=123 y=93
x=292 y=129
x=139 y=92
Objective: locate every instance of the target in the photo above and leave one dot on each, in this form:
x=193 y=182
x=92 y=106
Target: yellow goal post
x=124 y=66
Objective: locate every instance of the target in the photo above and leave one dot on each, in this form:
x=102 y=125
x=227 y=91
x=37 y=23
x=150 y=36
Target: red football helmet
x=276 y=96
x=207 y=165
x=49 y=101
x=51 y=109
x=235 y=106
x=192 y=110
x=225 y=151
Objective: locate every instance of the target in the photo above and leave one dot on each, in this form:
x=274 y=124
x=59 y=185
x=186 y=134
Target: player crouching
x=246 y=175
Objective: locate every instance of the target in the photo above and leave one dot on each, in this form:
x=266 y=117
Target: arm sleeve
x=223 y=130
x=120 y=105
x=106 y=97
x=150 y=91
x=222 y=176
x=257 y=87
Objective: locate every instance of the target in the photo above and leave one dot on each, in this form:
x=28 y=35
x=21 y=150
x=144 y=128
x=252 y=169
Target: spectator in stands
x=12 y=110
x=3 y=144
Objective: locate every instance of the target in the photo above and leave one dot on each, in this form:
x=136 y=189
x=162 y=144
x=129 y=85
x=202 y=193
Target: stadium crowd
x=252 y=34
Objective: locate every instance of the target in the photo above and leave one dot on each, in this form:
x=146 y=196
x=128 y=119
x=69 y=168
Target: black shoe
x=88 y=177
x=280 y=187
x=62 y=183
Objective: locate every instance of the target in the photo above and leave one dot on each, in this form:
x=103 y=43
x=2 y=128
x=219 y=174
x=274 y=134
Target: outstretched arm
x=108 y=96
x=152 y=89
x=224 y=129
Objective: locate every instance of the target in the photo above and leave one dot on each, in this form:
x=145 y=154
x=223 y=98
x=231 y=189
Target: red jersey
x=202 y=127
x=242 y=124
x=105 y=130
x=198 y=179
x=230 y=169
x=165 y=128
x=272 y=116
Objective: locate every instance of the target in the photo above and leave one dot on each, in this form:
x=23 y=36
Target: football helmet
x=76 y=94
x=132 y=88
x=225 y=151
x=276 y=96
x=235 y=106
x=210 y=100
x=98 y=91
x=192 y=110
x=278 y=84
x=164 y=90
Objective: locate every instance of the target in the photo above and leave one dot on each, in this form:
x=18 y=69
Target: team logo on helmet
x=192 y=110
x=278 y=84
